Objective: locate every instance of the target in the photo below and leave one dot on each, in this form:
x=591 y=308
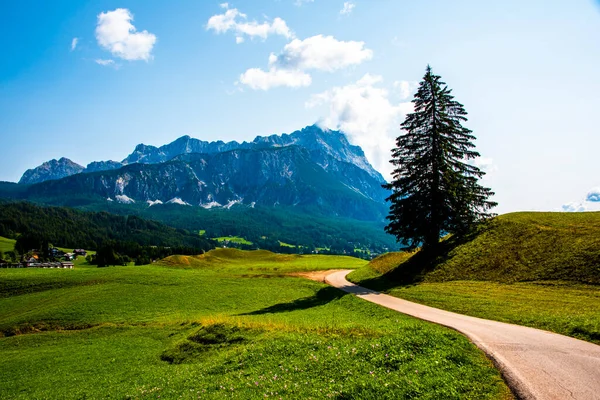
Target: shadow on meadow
x=320 y=298
x=414 y=269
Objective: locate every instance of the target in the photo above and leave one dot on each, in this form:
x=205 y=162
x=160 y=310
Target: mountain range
x=290 y=185
x=321 y=143
x=310 y=167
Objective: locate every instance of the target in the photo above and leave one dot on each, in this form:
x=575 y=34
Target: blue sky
x=89 y=81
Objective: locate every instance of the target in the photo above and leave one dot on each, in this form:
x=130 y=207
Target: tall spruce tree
x=434 y=188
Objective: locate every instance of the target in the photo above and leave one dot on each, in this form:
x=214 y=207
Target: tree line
x=129 y=237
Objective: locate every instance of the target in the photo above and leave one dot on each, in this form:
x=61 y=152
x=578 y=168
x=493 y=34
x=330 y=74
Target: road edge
x=515 y=382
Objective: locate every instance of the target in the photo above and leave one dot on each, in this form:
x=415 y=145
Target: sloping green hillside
x=529 y=246
x=515 y=247
x=260 y=261
x=6 y=244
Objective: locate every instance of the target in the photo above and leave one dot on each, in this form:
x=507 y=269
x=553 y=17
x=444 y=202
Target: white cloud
x=405 y=88
x=348 y=7
x=593 y=195
x=364 y=112
x=319 y=52
x=299 y=3
x=234 y=20
x=239 y=39
x=323 y=53
x=74 y=43
x=256 y=78
x=116 y=33
x=105 y=63
x=574 y=207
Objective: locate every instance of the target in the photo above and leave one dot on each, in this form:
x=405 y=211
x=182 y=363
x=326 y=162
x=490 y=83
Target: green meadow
x=227 y=324
x=233 y=239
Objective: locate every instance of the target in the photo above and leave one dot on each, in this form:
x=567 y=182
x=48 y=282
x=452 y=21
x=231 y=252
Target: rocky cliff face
x=322 y=145
x=96 y=166
x=146 y=154
x=284 y=176
x=53 y=169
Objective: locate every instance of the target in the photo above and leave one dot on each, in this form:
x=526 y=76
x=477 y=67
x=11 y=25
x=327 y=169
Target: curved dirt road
x=535 y=363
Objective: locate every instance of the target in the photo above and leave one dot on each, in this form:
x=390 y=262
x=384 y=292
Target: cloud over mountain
x=364 y=111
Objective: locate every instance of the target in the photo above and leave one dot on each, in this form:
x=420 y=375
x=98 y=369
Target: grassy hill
x=6 y=244
x=261 y=262
x=535 y=269
x=515 y=247
x=220 y=330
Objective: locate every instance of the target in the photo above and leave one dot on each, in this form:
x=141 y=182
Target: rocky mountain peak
x=102 y=166
x=330 y=149
x=53 y=169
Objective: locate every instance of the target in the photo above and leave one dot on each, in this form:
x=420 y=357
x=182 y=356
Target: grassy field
x=260 y=262
x=233 y=239
x=283 y=244
x=533 y=269
x=6 y=244
x=214 y=329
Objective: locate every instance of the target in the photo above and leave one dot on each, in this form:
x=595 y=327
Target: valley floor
x=222 y=331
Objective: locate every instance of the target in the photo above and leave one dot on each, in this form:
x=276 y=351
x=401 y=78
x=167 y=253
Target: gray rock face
x=322 y=144
x=145 y=154
x=53 y=169
x=102 y=166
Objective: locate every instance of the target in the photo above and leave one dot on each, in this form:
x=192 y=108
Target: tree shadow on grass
x=321 y=297
x=414 y=269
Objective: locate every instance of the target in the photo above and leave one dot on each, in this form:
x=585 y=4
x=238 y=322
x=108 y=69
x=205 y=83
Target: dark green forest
x=264 y=226
x=35 y=226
